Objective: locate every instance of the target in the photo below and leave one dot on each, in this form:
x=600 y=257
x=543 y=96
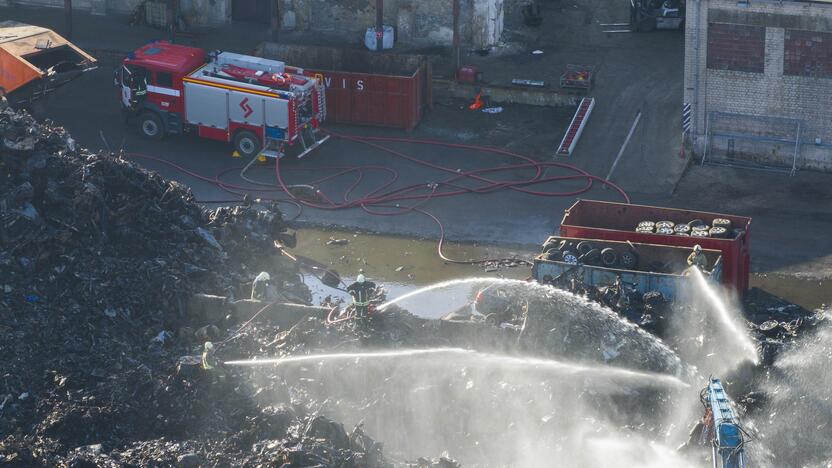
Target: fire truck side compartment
x=277 y=114
x=206 y=106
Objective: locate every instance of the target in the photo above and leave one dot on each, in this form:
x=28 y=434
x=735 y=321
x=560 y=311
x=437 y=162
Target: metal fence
x=752 y=141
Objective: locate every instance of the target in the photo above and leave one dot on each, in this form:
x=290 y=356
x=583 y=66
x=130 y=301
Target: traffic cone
x=235 y=154
x=261 y=158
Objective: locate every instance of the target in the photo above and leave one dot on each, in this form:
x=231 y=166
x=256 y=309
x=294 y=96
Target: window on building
x=807 y=53
x=164 y=79
x=736 y=47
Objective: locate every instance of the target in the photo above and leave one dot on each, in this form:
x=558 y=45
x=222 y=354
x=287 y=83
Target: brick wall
x=808 y=53
x=796 y=36
x=736 y=47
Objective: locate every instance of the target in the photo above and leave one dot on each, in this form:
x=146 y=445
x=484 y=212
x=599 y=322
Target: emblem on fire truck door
x=246 y=108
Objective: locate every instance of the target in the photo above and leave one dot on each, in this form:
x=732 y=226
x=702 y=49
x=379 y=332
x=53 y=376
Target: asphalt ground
x=636 y=72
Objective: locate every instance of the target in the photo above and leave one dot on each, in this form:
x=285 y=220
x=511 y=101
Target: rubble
x=99 y=260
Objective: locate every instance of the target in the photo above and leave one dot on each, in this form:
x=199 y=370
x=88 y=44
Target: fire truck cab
x=263 y=107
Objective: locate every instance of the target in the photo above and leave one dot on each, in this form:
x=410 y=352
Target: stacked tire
x=720 y=228
x=585 y=252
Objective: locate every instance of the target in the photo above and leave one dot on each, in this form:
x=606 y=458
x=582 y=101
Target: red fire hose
x=386 y=200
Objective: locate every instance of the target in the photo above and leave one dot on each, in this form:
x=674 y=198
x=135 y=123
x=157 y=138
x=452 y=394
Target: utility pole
x=68 y=18
x=456 y=38
x=275 y=17
x=172 y=13
x=379 y=25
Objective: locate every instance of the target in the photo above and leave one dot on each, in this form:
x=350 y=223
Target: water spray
x=486 y=359
x=725 y=317
x=447 y=284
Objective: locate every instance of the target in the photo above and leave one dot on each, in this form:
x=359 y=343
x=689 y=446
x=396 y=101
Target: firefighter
x=361 y=291
x=697 y=259
x=263 y=289
x=209 y=360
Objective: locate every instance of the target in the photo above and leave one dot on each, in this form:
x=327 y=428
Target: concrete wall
x=196 y=12
x=418 y=22
x=767 y=59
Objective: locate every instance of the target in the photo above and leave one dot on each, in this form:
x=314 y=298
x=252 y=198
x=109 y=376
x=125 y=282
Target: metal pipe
x=379 y=25
x=172 y=10
x=68 y=18
x=275 y=19
x=624 y=146
x=456 y=39
x=696 y=110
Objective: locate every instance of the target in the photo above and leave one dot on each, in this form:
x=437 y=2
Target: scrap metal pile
x=97 y=261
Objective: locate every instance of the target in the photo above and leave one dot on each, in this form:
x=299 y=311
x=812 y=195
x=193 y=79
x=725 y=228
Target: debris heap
x=97 y=260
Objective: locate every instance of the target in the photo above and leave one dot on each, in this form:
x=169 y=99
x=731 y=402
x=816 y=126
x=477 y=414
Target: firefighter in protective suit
x=361 y=291
x=209 y=359
x=697 y=259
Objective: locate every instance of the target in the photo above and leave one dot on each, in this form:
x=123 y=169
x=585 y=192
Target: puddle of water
x=381 y=256
x=808 y=293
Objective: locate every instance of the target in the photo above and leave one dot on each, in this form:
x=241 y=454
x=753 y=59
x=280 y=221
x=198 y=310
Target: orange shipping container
x=29 y=53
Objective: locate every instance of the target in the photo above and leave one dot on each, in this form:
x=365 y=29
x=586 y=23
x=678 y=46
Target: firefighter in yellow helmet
x=697 y=259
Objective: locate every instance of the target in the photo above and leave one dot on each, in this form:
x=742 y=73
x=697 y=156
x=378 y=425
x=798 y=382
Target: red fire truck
x=263 y=107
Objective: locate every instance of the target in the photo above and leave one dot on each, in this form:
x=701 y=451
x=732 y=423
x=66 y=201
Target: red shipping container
x=363 y=88
x=591 y=219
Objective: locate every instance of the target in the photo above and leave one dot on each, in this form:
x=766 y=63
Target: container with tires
x=599 y=262
x=591 y=219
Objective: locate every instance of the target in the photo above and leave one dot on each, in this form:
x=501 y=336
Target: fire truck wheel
x=247 y=144
x=150 y=126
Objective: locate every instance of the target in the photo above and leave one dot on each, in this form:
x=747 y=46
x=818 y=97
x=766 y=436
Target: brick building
x=758 y=82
